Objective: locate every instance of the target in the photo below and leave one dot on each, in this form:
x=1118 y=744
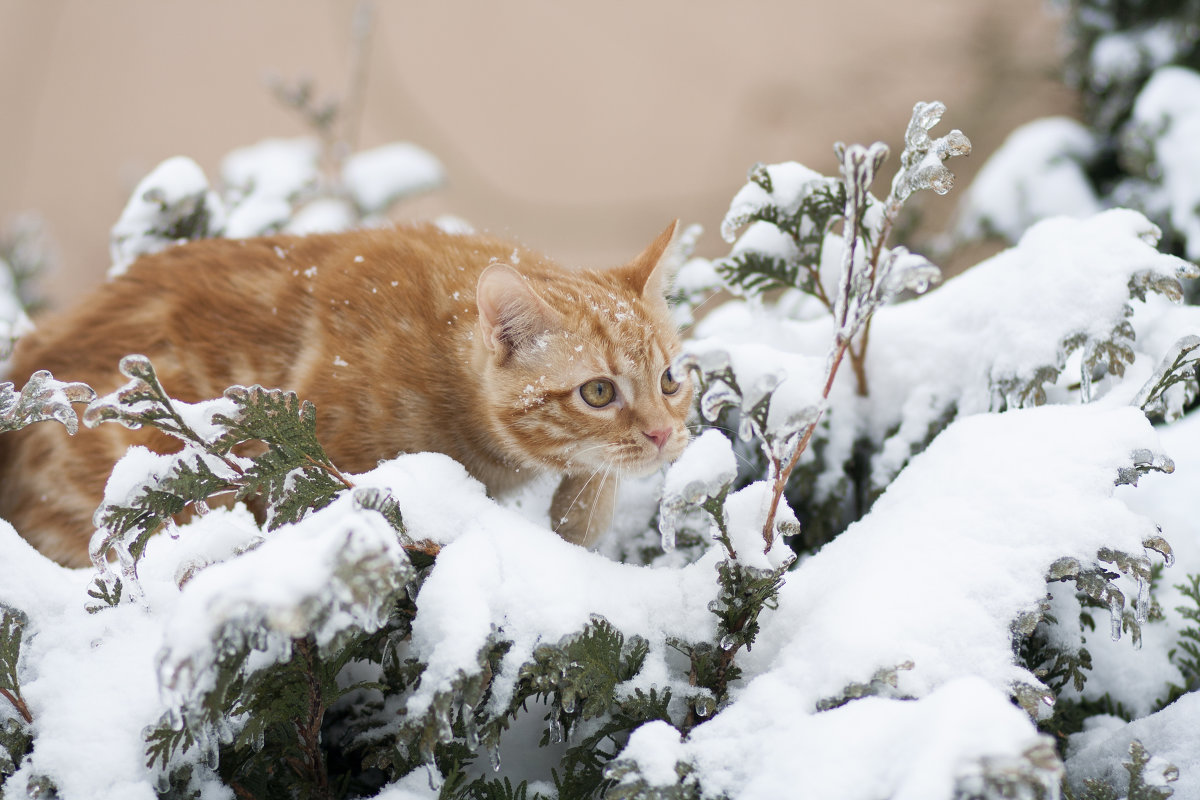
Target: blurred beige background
x=580 y=128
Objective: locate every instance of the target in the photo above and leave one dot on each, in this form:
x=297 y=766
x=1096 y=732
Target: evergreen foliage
x=291 y=476
x=1186 y=653
x=1138 y=787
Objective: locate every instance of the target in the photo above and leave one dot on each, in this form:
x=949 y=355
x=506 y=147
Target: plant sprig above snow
x=291 y=476
x=42 y=398
x=275 y=186
x=791 y=211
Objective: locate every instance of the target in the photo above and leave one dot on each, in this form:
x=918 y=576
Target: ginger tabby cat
x=406 y=339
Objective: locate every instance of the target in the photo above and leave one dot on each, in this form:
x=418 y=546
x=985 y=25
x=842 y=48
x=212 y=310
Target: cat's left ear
x=650 y=272
x=511 y=314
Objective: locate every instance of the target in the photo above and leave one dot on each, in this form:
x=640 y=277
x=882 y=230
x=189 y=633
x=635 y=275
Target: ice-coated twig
x=703 y=473
x=1143 y=461
x=42 y=398
x=1178 y=366
x=922 y=164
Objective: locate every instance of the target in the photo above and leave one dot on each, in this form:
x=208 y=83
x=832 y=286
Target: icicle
x=1086 y=363
x=162 y=782
x=718 y=396
x=1116 y=607
x=435 y=776
x=557 y=734
x=746 y=428
x=729 y=642
x=129 y=576
x=471 y=729
x=494 y=757
x=1142 y=607
x=568 y=704
x=667 y=528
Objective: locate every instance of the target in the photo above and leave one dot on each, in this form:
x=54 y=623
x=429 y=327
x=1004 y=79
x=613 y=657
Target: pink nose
x=659 y=437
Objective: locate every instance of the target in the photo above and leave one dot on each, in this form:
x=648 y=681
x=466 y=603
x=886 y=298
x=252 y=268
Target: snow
x=378 y=177
x=1167 y=113
x=321 y=215
x=871 y=748
x=506 y=572
x=1117 y=56
x=266 y=179
x=281 y=168
x=174 y=191
x=790 y=184
x=1037 y=173
x=1171 y=735
x=1065 y=277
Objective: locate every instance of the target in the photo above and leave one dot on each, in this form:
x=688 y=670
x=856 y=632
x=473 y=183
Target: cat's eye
x=598 y=393
x=668 y=382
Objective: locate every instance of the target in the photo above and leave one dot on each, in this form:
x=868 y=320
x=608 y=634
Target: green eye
x=668 y=382
x=598 y=393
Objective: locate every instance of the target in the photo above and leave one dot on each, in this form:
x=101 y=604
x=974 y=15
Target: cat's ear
x=511 y=313
x=648 y=274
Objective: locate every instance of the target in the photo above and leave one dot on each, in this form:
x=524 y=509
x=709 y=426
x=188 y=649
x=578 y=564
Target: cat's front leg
x=582 y=508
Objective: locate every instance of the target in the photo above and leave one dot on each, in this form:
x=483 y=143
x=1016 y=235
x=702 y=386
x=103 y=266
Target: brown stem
x=18 y=703
x=819 y=290
x=781 y=476
x=331 y=469
x=858 y=360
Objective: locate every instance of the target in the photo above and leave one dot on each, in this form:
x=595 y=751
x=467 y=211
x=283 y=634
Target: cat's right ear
x=511 y=314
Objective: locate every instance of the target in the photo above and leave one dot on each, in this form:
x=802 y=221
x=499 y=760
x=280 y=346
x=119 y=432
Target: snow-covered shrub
x=277 y=185
x=856 y=580
x=1136 y=65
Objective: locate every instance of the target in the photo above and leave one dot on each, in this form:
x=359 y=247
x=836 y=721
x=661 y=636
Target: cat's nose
x=659 y=437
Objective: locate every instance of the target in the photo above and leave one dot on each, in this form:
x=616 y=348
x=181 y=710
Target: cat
x=406 y=339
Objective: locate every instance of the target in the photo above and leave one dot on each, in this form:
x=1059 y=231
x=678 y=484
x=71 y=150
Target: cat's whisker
x=712 y=297
x=592 y=511
x=573 y=458
x=582 y=489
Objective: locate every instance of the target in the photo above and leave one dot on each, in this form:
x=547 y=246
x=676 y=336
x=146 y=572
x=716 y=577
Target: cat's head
x=577 y=375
